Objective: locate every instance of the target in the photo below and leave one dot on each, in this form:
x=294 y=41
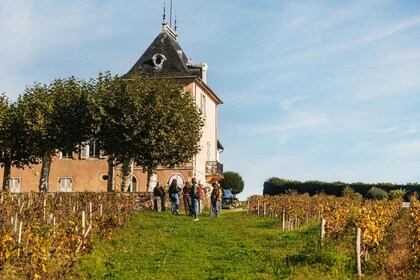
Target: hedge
x=274 y=186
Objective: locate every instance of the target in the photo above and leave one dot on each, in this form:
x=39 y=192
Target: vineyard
x=340 y=216
x=42 y=236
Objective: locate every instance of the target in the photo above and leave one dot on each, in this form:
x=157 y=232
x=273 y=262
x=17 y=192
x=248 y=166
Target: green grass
x=234 y=246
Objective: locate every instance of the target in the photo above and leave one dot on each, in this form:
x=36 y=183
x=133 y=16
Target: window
x=208 y=150
x=94 y=151
x=203 y=105
x=90 y=149
x=158 y=60
x=133 y=185
x=179 y=180
x=14 y=185
x=66 y=184
x=66 y=154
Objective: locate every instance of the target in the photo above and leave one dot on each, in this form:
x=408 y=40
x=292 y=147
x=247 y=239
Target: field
x=234 y=246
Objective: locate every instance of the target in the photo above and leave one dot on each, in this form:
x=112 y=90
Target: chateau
x=88 y=169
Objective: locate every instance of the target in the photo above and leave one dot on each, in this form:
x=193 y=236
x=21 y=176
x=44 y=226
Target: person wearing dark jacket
x=213 y=199
x=195 y=195
x=187 y=198
x=174 y=196
x=159 y=195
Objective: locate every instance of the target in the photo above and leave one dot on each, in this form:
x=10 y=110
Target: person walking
x=213 y=200
x=174 y=196
x=194 y=193
x=159 y=195
x=187 y=198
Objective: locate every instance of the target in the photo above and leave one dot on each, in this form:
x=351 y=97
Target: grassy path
x=392 y=260
x=234 y=246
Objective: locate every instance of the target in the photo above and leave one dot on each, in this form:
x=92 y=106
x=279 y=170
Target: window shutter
x=84 y=151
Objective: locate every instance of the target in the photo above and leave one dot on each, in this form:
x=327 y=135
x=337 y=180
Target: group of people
x=192 y=194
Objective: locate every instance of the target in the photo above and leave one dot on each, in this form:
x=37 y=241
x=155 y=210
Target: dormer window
x=158 y=60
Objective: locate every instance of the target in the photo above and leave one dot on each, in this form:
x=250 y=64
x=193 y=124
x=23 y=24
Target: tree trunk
x=45 y=173
x=151 y=180
x=6 y=176
x=127 y=174
x=110 y=183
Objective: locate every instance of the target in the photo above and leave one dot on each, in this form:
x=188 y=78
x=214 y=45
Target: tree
x=397 y=194
x=14 y=147
x=149 y=121
x=57 y=117
x=377 y=193
x=119 y=115
x=233 y=181
x=4 y=135
x=172 y=125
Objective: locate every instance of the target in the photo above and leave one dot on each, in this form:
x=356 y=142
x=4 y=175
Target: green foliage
x=377 y=193
x=150 y=120
x=4 y=132
x=350 y=193
x=233 y=181
x=14 y=147
x=397 y=194
x=119 y=117
x=4 y=135
x=274 y=186
x=172 y=123
x=4 y=105
x=57 y=116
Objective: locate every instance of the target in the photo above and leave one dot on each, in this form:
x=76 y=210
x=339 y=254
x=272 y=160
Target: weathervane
x=164 y=12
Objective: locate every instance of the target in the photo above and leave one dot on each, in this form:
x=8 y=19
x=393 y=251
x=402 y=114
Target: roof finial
x=164 y=13
x=176 y=26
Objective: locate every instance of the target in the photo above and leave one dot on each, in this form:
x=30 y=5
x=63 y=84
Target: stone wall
x=145 y=200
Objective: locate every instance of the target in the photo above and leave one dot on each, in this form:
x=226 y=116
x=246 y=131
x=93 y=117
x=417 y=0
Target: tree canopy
x=149 y=120
x=172 y=124
x=233 y=181
x=14 y=143
x=57 y=117
x=4 y=135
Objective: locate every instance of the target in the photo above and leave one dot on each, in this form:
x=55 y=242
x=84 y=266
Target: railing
x=214 y=167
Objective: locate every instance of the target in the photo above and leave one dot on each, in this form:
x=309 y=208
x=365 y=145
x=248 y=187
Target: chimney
x=204 y=69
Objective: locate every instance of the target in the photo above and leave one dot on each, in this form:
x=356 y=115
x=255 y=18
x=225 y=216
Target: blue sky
x=312 y=90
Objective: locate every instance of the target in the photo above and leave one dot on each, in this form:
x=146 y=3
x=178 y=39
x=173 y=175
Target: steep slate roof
x=176 y=63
